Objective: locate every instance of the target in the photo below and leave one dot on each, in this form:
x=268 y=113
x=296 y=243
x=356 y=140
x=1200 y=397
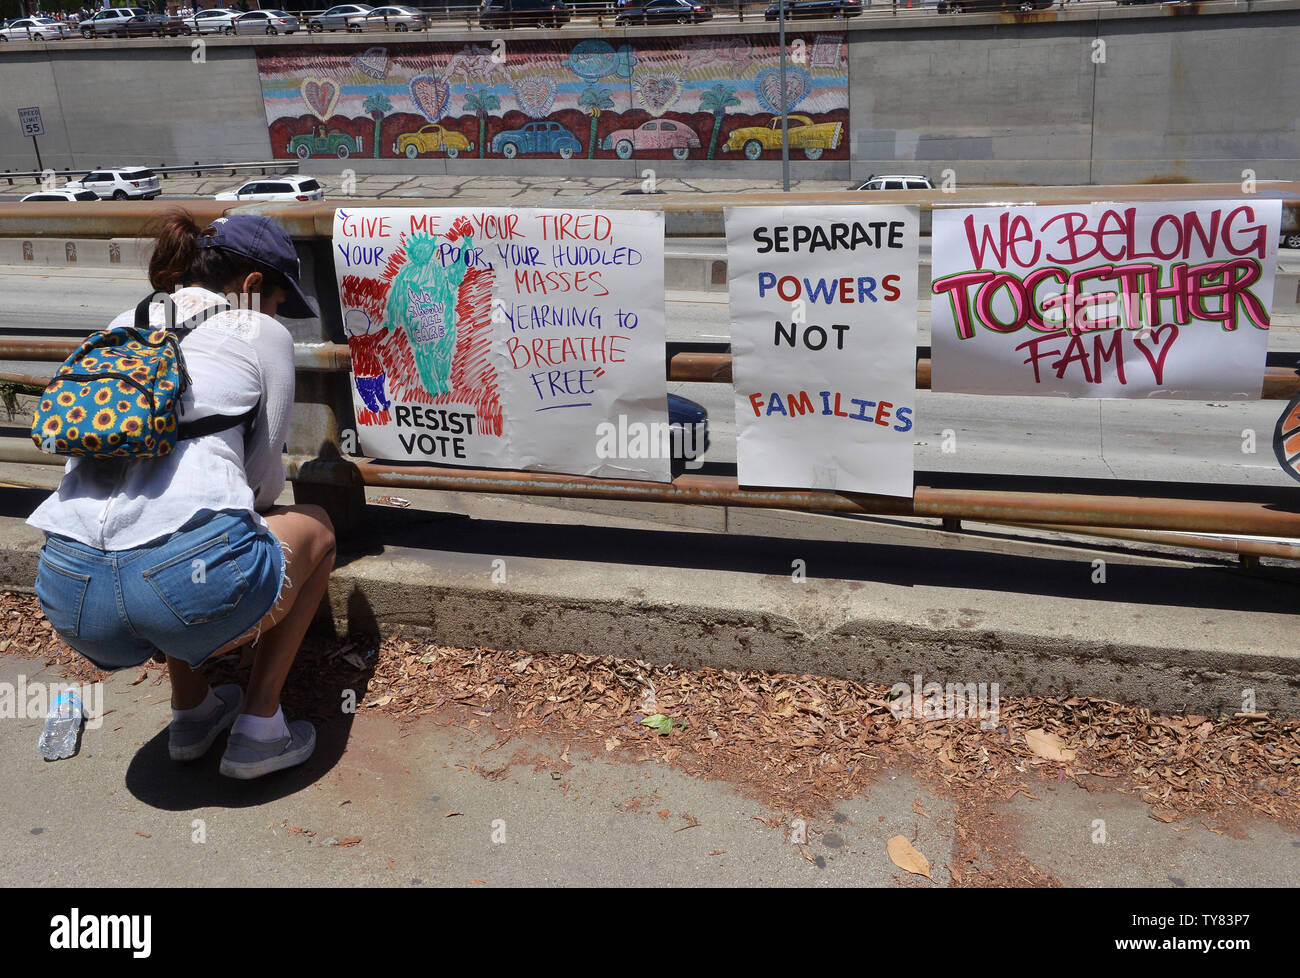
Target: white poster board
x=507 y=338
x=823 y=341
x=1166 y=299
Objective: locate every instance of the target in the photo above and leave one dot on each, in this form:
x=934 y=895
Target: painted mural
x=702 y=98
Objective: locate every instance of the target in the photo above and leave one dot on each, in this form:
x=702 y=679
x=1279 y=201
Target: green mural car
x=431 y=139
x=811 y=137
x=319 y=142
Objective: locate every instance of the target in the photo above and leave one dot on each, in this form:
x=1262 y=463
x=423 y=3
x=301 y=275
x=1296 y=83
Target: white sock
x=205 y=710
x=261 y=728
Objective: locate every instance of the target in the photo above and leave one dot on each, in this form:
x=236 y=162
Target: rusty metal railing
x=322 y=474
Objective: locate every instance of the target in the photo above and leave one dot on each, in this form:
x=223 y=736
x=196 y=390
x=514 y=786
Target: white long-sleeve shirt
x=236 y=359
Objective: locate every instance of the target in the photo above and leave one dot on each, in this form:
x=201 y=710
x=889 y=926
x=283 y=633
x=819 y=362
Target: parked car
x=336 y=18
x=35 y=29
x=813 y=138
x=390 y=19
x=217 y=20
x=663 y=12
x=897 y=181
x=284 y=187
x=265 y=22
x=319 y=142
x=110 y=22
x=804 y=9
x=688 y=430
x=60 y=195
x=155 y=25
x=655 y=134
x=136 y=182
x=961 y=6
x=431 y=139
x=536 y=137
x=520 y=13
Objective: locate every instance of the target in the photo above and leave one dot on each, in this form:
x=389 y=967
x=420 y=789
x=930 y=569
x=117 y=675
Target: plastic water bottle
x=59 y=738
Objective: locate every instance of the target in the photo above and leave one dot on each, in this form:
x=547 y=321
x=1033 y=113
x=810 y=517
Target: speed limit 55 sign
x=30 y=120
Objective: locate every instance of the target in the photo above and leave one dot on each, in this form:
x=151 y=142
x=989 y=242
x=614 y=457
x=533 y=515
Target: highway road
x=1191 y=441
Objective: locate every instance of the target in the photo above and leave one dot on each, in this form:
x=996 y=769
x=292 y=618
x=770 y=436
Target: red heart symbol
x=321 y=96
x=430 y=95
x=1157 y=361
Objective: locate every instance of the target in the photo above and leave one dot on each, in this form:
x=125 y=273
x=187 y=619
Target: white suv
x=276 y=188
x=132 y=181
x=110 y=22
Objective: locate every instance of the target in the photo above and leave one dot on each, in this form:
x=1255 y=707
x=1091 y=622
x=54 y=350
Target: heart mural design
x=430 y=95
x=1155 y=355
x=798 y=83
x=320 y=96
x=535 y=94
x=659 y=92
x=372 y=61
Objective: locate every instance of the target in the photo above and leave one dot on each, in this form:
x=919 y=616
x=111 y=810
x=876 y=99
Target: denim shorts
x=186 y=595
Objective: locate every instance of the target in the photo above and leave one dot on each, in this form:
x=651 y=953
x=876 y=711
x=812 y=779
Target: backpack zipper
x=153 y=403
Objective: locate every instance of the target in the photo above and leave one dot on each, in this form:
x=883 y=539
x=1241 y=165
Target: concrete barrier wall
x=1103 y=95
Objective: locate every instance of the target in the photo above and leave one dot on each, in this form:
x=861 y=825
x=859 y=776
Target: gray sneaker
x=188 y=740
x=246 y=758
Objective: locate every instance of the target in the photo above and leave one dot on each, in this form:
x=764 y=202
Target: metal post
x=39 y=165
x=785 y=108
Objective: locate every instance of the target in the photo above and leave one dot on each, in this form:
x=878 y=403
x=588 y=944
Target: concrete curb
x=1168 y=633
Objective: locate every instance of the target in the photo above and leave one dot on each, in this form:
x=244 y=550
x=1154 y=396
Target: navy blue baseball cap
x=262 y=240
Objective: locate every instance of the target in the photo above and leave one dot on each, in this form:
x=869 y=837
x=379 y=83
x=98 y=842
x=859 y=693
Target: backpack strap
x=214 y=423
x=169 y=314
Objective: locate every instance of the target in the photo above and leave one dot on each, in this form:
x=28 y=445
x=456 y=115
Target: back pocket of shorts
x=201 y=585
x=61 y=593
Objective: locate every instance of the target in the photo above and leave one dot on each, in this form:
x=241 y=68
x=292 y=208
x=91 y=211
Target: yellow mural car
x=431 y=139
x=811 y=137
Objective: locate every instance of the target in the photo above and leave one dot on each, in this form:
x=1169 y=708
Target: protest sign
x=506 y=338
x=823 y=341
x=1105 y=300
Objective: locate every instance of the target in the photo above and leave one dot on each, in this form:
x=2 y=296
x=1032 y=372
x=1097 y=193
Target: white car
x=276 y=188
x=898 y=181
x=35 y=29
x=64 y=195
x=338 y=18
x=135 y=182
x=266 y=22
x=217 y=20
x=389 y=19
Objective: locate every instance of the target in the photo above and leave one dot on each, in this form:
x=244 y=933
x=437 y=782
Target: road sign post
x=30 y=121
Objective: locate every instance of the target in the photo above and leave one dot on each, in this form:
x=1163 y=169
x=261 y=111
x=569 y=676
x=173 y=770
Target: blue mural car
x=536 y=137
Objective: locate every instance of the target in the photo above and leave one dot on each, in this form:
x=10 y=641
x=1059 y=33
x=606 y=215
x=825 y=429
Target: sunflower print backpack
x=119 y=395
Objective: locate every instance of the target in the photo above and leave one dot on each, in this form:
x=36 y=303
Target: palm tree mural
x=481 y=103
x=595 y=100
x=377 y=106
x=717 y=100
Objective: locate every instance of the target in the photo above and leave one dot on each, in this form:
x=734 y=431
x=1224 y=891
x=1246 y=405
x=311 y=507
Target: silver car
x=214 y=20
x=35 y=29
x=390 y=19
x=266 y=22
x=337 y=18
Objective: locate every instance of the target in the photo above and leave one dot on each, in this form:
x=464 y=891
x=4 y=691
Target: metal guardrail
x=322 y=474
x=196 y=168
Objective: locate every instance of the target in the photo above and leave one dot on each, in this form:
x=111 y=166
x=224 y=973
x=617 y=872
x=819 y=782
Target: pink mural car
x=655 y=134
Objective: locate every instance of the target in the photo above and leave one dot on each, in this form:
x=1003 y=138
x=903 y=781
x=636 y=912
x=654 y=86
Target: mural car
x=536 y=137
x=431 y=139
x=811 y=137
x=320 y=142
x=656 y=134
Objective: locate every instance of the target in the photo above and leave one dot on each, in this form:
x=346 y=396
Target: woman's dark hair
x=178 y=260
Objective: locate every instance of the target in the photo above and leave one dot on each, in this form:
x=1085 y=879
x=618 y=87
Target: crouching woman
x=187 y=553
